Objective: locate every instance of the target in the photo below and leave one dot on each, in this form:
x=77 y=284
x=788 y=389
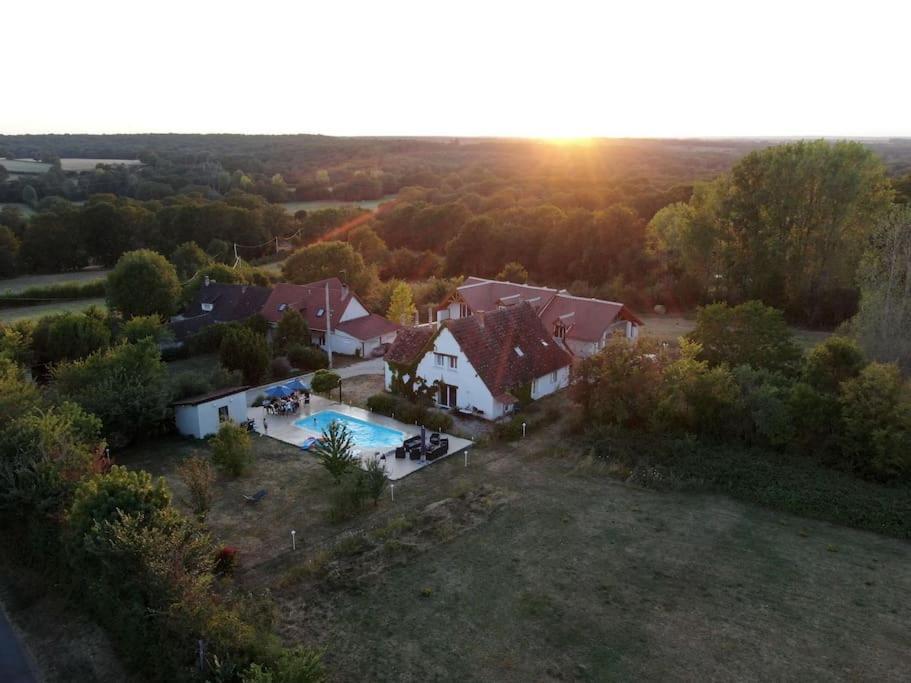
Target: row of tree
x=740 y=376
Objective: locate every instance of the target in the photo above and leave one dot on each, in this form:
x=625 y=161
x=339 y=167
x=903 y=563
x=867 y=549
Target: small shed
x=200 y=416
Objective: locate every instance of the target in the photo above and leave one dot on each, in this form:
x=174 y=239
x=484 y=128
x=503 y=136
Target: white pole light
x=293 y=540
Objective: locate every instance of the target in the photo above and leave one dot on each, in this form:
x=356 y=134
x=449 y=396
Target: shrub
x=335 y=450
x=197 y=475
x=384 y=404
x=292 y=330
x=307 y=357
x=244 y=350
x=347 y=500
x=144 y=327
x=876 y=413
x=187 y=384
x=324 y=380
x=231 y=449
x=375 y=479
x=280 y=367
x=222 y=377
x=437 y=421
x=225 y=560
x=832 y=362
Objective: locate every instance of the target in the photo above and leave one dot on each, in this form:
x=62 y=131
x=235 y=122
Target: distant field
x=9 y=315
x=24 y=166
x=17 y=284
x=669 y=327
x=80 y=165
x=371 y=204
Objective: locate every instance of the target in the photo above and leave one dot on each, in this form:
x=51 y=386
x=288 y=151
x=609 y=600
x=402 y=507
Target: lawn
x=9 y=315
x=17 y=284
x=669 y=327
x=531 y=565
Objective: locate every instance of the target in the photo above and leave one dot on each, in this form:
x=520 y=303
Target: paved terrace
x=282 y=428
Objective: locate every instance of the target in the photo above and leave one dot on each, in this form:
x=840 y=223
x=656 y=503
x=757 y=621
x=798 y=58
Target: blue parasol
x=297 y=385
x=281 y=391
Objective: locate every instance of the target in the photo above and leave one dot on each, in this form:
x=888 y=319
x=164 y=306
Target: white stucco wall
x=201 y=420
x=472 y=392
x=353 y=310
x=548 y=384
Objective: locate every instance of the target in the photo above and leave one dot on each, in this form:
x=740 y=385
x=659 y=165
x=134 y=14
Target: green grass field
x=9 y=315
x=532 y=565
x=670 y=327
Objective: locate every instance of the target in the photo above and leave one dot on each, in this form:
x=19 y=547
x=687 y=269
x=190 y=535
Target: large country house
x=484 y=364
x=583 y=326
x=352 y=329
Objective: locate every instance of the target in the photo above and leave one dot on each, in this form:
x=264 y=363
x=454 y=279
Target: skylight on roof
x=519 y=351
x=282 y=307
x=319 y=313
x=543 y=343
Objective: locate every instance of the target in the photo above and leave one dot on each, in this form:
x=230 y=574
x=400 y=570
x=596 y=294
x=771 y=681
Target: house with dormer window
x=352 y=328
x=582 y=326
x=483 y=364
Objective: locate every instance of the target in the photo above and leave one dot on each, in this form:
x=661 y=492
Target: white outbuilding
x=200 y=416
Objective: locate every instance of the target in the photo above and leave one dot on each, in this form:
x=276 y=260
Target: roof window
x=320 y=312
x=519 y=351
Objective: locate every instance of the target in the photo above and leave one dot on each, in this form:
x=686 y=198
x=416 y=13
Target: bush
x=231 y=449
x=307 y=357
x=437 y=421
x=406 y=411
x=63 y=290
x=324 y=380
x=223 y=378
x=280 y=368
x=384 y=404
x=347 y=499
x=375 y=479
x=244 y=350
x=187 y=384
x=225 y=560
x=197 y=475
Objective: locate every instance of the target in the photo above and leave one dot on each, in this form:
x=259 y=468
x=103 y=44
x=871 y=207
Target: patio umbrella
x=297 y=385
x=281 y=391
x=423 y=443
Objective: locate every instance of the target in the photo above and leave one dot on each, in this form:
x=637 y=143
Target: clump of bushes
x=410 y=412
x=197 y=475
x=324 y=380
x=307 y=357
x=231 y=449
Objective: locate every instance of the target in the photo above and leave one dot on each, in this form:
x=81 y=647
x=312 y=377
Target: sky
x=561 y=69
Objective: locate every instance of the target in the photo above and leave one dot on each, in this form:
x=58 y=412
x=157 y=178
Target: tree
x=832 y=362
x=402 y=309
x=107 y=497
x=307 y=357
x=876 y=414
x=513 y=272
x=244 y=350
x=74 y=336
x=292 y=330
x=144 y=327
x=749 y=334
x=189 y=258
x=369 y=245
x=329 y=259
x=126 y=386
x=29 y=195
x=197 y=475
x=143 y=283
x=375 y=479
x=324 y=381
x=619 y=385
x=9 y=252
x=232 y=449
x=884 y=320
x=335 y=450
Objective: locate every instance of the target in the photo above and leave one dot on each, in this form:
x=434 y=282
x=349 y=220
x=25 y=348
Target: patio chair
x=415 y=453
x=256 y=497
x=435 y=437
x=400 y=452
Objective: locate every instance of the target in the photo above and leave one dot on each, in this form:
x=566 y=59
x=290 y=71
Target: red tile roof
x=409 y=343
x=585 y=319
x=309 y=300
x=368 y=327
x=508 y=347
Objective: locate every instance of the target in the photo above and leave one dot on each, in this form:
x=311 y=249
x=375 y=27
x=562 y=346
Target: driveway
x=373 y=366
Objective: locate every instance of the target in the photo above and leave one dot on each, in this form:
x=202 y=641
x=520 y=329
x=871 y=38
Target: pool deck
x=283 y=429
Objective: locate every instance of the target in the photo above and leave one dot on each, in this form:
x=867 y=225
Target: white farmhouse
x=582 y=326
x=483 y=364
x=352 y=329
x=201 y=416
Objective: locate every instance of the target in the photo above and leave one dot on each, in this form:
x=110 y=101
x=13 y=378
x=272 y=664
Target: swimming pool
x=365 y=434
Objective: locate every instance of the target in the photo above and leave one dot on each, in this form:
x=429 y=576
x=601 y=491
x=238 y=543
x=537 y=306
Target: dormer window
x=464 y=310
x=207 y=307
x=320 y=312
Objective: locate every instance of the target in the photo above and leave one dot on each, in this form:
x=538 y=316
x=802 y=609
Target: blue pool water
x=365 y=434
